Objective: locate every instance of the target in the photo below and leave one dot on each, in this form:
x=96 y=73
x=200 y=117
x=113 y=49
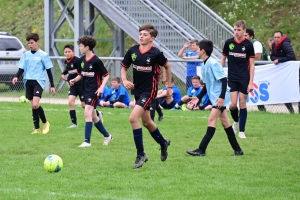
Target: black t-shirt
x=238 y=54
x=72 y=68
x=92 y=72
x=146 y=69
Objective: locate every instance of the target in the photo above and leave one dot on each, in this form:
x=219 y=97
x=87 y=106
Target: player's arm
x=63 y=74
x=258 y=49
x=251 y=72
x=194 y=101
x=127 y=84
x=223 y=60
x=167 y=67
x=76 y=79
x=20 y=71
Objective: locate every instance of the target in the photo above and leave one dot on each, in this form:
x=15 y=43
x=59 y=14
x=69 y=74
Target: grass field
x=268 y=170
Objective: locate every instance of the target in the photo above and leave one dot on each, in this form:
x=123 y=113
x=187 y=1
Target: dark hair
x=250 y=32
x=87 y=40
x=149 y=27
x=33 y=36
x=207 y=45
x=116 y=79
x=278 y=32
x=69 y=46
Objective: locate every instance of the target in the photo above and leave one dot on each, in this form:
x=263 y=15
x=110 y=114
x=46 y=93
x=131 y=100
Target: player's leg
x=158 y=110
x=156 y=135
x=234 y=111
x=184 y=99
x=210 y=131
x=243 y=108
x=72 y=111
x=136 y=113
x=230 y=133
x=153 y=108
x=88 y=115
x=99 y=125
x=119 y=105
x=35 y=115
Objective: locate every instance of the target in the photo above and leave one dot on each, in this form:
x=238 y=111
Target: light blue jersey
x=212 y=72
x=35 y=65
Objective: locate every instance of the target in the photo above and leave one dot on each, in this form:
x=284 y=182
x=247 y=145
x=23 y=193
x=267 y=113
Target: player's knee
x=133 y=119
x=35 y=105
x=232 y=106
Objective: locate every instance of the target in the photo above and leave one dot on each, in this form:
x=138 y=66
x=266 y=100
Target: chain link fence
x=12 y=93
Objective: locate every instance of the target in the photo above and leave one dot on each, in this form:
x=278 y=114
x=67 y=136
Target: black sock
x=73 y=116
x=158 y=138
x=158 y=109
x=42 y=114
x=152 y=111
x=138 y=140
x=207 y=137
x=235 y=114
x=180 y=103
x=97 y=113
x=232 y=139
x=36 y=118
x=243 y=119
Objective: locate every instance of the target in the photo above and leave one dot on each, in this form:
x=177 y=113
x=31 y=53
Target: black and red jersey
x=73 y=68
x=238 y=54
x=146 y=69
x=92 y=72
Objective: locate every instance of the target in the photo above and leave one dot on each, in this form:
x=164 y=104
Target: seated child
x=105 y=93
x=118 y=95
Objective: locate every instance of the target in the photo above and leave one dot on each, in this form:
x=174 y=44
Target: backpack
x=264 y=55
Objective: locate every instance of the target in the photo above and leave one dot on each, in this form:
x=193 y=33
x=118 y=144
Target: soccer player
x=73 y=69
x=33 y=64
x=240 y=54
x=94 y=78
x=215 y=80
x=118 y=95
x=145 y=60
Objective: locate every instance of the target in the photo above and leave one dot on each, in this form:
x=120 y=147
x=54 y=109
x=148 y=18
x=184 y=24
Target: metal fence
x=12 y=93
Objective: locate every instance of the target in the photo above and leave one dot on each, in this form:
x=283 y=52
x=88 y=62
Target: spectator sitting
x=105 y=93
x=118 y=95
x=192 y=92
x=169 y=102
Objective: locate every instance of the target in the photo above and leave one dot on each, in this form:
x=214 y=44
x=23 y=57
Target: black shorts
x=168 y=106
x=239 y=86
x=144 y=101
x=222 y=108
x=76 y=90
x=91 y=100
x=33 y=89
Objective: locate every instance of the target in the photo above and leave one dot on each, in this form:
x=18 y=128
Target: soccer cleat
x=73 y=126
x=107 y=140
x=160 y=118
x=37 y=131
x=235 y=127
x=242 y=135
x=238 y=153
x=85 y=144
x=139 y=161
x=196 y=152
x=46 y=128
x=164 y=151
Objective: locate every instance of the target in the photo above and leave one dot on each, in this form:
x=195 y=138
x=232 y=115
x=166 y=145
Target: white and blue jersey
x=35 y=65
x=193 y=92
x=212 y=72
x=115 y=94
x=191 y=69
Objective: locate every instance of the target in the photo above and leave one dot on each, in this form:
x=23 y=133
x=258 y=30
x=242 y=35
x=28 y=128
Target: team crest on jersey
x=231 y=46
x=71 y=65
x=148 y=60
x=133 y=56
x=91 y=67
x=82 y=64
x=243 y=48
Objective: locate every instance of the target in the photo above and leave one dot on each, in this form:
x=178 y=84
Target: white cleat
x=242 y=135
x=73 y=126
x=85 y=144
x=235 y=127
x=107 y=140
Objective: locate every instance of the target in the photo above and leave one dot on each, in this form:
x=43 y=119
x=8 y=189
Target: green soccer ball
x=53 y=163
x=23 y=99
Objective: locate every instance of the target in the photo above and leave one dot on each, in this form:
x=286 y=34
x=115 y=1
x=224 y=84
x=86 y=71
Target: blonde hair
x=192 y=41
x=240 y=23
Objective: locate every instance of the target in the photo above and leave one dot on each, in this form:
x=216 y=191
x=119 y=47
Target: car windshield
x=9 y=44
